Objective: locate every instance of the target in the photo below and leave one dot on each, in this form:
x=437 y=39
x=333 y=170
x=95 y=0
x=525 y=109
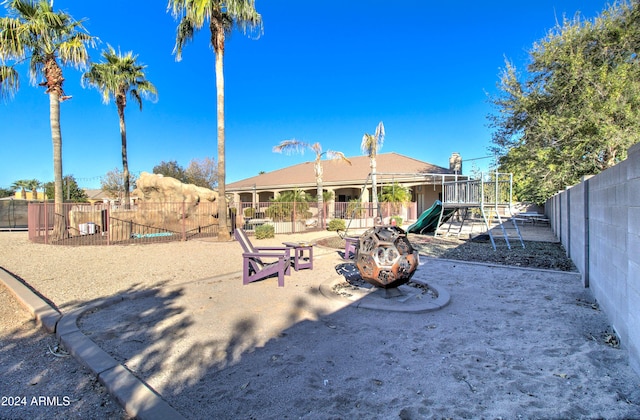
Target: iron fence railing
x=494 y=189
x=105 y=224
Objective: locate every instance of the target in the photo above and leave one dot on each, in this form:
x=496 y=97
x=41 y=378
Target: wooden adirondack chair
x=254 y=266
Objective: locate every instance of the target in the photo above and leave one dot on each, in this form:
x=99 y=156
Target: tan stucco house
x=347 y=182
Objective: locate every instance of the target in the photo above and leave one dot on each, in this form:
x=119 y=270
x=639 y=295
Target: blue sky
x=320 y=72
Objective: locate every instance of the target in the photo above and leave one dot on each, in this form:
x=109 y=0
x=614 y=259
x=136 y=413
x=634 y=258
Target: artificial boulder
x=156 y=188
x=166 y=205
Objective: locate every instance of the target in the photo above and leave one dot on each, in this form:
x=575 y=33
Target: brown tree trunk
x=125 y=163
x=223 y=231
x=56 y=137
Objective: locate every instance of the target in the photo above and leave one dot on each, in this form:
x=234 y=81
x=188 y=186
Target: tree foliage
x=118 y=75
x=577 y=109
x=33 y=33
x=222 y=16
x=394 y=193
x=113 y=183
x=22 y=185
x=6 y=192
x=171 y=169
x=297 y=146
x=287 y=203
x=202 y=172
x=370 y=145
x=72 y=192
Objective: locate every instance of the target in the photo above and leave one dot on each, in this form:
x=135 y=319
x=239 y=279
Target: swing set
x=462 y=198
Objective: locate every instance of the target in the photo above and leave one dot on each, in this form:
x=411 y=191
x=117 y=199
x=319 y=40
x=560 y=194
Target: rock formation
x=163 y=189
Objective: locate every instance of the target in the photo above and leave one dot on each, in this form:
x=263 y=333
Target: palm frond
x=334 y=155
x=9 y=82
x=291 y=146
x=372 y=143
x=184 y=34
x=118 y=75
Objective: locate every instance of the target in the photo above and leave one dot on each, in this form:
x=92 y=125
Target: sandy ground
x=512 y=343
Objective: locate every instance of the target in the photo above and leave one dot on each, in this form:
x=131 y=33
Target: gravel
x=535 y=254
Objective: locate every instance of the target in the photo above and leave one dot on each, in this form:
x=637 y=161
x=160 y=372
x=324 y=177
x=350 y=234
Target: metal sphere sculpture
x=385 y=257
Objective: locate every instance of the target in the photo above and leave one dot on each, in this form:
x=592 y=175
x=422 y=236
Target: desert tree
x=171 y=169
x=576 y=109
x=202 y=172
x=113 y=183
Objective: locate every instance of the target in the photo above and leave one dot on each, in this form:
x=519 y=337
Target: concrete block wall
x=598 y=223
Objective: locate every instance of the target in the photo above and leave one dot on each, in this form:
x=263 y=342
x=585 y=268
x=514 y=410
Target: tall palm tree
x=222 y=16
x=115 y=77
x=33 y=32
x=299 y=146
x=370 y=146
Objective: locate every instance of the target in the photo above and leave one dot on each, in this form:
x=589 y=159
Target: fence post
x=586 y=233
x=107 y=225
x=569 y=222
x=184 y=222
x=293 y=222
x=46 y=223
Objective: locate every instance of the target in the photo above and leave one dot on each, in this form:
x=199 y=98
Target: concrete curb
x=45 y=315
x=133 y=394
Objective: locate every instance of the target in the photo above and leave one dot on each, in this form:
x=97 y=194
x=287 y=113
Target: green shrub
x=398 y=220
x=249 y=212
x=355 y=208
x=336 y=225
x=265 y=231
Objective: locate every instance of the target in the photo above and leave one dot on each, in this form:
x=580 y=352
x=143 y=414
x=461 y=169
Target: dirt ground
x=33 y=367
x=513 y=342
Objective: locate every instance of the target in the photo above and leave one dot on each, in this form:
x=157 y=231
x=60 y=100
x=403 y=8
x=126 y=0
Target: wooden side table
x=302 y=254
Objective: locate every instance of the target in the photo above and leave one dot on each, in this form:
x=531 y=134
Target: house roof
x=336 y=172
x=94 y=194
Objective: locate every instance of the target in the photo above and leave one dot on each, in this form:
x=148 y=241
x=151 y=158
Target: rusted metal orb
x=385 y=257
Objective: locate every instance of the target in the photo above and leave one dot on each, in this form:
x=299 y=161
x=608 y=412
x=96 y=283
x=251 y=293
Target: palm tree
x=222 y=15
x=115 y=77
x=370 y=146
x=396 y=195
x=22 y=185
x=33 y=32
x=33 y=185
x=299 y=146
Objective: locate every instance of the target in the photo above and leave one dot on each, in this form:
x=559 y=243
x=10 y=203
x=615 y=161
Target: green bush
x=249 y=212
x=398 y=220
x=265 y=231
x=355 y=208
x=336 y=225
